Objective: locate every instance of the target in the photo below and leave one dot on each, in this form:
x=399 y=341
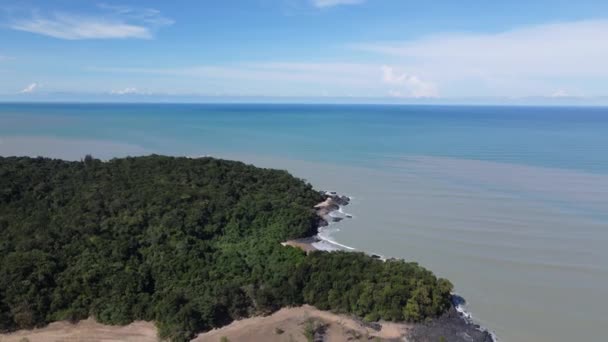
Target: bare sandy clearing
x=292 y=322
x=287 y=324
x=85 y=331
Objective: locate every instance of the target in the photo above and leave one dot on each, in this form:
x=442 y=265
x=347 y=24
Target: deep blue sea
x=562 y=137
x=510 y=203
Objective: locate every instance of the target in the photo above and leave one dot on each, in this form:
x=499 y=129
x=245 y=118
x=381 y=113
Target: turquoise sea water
x=510 y=203
x=573 y=138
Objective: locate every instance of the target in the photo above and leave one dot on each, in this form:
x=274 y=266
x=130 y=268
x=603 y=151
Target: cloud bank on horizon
x=122 y=50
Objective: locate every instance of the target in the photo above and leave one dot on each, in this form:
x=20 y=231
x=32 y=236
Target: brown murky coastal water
x=530 y=267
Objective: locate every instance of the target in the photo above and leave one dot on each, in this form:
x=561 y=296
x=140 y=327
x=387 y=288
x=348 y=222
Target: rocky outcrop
x=451 y=326
x=332 y=203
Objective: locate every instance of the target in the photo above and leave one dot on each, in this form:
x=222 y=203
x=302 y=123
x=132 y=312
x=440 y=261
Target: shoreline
x=454 y=325
x=456 y=321
x=329 y=211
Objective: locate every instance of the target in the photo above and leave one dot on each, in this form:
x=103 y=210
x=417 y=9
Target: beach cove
x=455 y=325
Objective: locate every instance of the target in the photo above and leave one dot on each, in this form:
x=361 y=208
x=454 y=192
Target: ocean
x=509 y=203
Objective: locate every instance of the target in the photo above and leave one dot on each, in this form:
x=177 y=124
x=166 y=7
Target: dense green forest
x=191 y=244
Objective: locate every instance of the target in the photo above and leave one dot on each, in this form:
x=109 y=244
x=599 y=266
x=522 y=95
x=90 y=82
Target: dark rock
x=373 y=325
x=333 y=206
x=457 y=300
x=451 y=326
x=340 y=200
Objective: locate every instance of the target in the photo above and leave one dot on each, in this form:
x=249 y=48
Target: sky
x=549 y=51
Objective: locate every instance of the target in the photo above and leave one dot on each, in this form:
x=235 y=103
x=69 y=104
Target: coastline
x=457 y=323
x=329 y=211
x=454 y=325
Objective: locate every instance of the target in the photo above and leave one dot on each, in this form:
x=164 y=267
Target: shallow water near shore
x=509 y=203
x=529 y=270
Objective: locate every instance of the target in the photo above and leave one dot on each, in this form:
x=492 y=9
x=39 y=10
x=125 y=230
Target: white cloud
x=560 y=93
x=282 y=72
x=146 y=15
x=523 y=61
x=362 y=80
x=414 y=86
x=117 y=22
x=69 y=27
x=268 y=79
x=332 y=3
x=29 y=89
x=126 y=91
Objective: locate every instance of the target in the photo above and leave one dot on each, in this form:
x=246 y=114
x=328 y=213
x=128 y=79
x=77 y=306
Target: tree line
x=191 y=244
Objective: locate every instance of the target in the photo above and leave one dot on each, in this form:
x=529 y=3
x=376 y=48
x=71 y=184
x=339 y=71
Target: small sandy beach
x=305 y=244
x=331 y=203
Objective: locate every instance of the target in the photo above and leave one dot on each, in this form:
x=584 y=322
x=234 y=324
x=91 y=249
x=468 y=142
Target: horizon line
x=396 y=104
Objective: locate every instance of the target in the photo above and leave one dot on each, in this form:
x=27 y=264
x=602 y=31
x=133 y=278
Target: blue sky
x=315 y=49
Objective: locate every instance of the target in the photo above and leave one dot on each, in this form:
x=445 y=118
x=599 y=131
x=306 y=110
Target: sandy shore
x=305 y=244
x=323 y=209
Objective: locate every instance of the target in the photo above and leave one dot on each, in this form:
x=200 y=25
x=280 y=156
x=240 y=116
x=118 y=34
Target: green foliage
x=309 y=330
x=314 y=329
x=391 y=290
x=189 y=243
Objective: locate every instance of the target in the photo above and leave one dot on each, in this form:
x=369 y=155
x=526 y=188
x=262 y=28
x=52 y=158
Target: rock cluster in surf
x=329 y=210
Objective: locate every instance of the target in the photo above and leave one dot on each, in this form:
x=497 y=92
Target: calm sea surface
x=510 y=203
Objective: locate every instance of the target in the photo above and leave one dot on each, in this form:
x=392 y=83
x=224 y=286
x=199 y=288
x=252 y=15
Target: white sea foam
x=460 y=306
x=462 y=310
x=325 y=233
x=325 y=236
x=324 y=245
x=333 y=242
x=345 y=214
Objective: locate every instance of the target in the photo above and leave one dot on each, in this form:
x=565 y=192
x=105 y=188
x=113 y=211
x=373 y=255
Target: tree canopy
x=191 y=244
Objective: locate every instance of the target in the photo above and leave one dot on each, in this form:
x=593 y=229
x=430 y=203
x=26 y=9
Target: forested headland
x=191 y=244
